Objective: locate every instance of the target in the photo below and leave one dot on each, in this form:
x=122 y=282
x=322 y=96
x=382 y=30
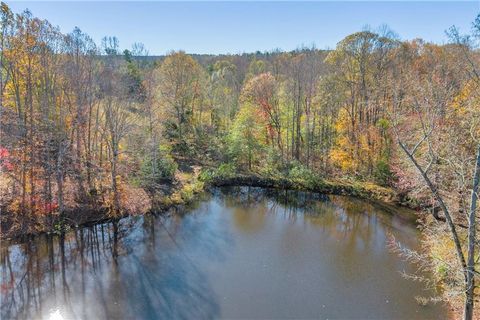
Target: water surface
x=239 y=253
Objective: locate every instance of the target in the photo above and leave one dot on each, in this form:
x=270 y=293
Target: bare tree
x=115 y=113
x=441 y=141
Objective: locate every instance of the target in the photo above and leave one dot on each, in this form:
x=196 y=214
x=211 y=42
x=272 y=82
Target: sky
x=217 y=27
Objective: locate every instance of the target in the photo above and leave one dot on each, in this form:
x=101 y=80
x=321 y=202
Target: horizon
x=216 y=28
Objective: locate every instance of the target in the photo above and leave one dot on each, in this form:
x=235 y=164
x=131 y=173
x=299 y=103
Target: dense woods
x=88 y=128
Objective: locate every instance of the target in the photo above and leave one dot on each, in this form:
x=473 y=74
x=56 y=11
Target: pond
x=237 y=253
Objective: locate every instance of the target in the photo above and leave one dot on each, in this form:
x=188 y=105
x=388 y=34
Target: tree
x=359 y=64
x=180 y=83
x=262 y=92
x=437 y=129
x=80 y=93
x=244 y=141
x=115 y=112
x=222 y=93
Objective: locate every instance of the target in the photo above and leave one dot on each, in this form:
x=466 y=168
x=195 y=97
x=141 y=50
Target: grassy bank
x=183 y=190
x=305 y=181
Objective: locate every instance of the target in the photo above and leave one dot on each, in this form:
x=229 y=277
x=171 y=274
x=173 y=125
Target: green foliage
x=133 y=78
x=302 y=175
x=244 y=143
x=206 y=175
x=189 y=190
x=164 y=168
x=190 y=186
x=61 y=227
x=442 y=270
x=224 y=170
x=181 y=89
x=256 y=67
x=273 y=166
x=383 y=124
x=382 y=173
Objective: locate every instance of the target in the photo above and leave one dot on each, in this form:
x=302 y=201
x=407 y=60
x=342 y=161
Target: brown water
x=239 y=253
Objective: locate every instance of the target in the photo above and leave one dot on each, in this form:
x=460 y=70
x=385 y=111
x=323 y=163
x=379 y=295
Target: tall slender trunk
x=59 y=177
x=89 y=148
x=443 y=206
x=30 y=136
x=470 y=270
x=116 y=197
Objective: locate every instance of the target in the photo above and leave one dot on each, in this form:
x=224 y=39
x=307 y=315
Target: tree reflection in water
x=241 y=252
x=111 y=270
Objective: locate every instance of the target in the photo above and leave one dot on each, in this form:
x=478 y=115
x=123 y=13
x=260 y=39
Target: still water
x=237 y=253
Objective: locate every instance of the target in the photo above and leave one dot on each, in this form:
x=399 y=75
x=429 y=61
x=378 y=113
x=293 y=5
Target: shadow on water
x=239 y=252
x=126 y=269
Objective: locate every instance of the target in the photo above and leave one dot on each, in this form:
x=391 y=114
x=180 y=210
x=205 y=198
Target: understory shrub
x=163 y=170
x=225 y=170
x=382 y=173
x=300 y=174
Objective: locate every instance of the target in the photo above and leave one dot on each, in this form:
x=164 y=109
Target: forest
x=90 y=132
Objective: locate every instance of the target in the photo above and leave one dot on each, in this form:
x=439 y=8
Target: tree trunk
x=438 y=197
x=116 y=199
x=470 y=281
x=59 y=177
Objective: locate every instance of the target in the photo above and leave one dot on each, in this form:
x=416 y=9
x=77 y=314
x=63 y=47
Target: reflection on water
x=241 y=252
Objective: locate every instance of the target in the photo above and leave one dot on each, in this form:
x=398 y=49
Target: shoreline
x=178 y=199
x=388 y=198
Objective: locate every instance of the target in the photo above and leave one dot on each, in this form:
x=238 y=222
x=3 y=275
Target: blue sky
x=248 y=26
